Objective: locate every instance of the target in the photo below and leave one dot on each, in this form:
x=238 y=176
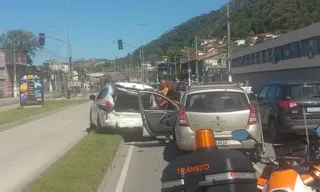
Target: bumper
x=185 y=138
x=117 y=120
x=298 y=126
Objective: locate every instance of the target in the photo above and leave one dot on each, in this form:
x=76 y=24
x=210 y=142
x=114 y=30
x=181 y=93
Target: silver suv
x=220 y=107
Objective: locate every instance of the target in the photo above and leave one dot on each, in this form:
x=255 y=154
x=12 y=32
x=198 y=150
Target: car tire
x=99 y=129
x=275 y=135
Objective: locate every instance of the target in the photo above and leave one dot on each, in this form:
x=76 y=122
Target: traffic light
x=191 y=42
x=120 y=45
x=219 y=62
x=42 y=38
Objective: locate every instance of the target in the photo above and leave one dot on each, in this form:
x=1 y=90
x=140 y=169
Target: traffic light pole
x=229 y=44
x=69 y=59
x=197 y=65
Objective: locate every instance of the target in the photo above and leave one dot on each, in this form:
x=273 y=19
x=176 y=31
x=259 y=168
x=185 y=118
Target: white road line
x=125 y=169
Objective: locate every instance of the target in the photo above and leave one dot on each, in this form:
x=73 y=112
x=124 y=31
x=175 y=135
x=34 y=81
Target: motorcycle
x=209 y=169
x=288 y=173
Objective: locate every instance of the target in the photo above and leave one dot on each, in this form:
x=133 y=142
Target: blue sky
x=94 y=24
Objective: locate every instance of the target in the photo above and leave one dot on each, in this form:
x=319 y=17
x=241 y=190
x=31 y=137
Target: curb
x=10 y=125
x=101 y=186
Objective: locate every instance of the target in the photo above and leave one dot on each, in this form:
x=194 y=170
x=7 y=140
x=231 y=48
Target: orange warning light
x=204 y=139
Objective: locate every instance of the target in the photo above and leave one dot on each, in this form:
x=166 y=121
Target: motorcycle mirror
x=318 y=130
x=240 y=135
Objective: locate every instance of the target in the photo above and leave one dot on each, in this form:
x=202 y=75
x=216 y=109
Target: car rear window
x=302 y=91
x=224 y=101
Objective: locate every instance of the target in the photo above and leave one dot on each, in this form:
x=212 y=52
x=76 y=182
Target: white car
x=116 y=106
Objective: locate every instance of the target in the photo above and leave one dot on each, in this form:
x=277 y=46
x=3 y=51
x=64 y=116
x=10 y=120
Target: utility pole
x=197 y=67
x=189 y=68
x=142 y=54
x=229 y=43
x=14 y=71
x=175 y=68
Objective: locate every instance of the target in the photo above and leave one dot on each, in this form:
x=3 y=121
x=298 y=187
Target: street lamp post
x=68 y=43
x=14 y=71
x=70 y=54
x=57 y=50
x=229 y=43
x=142 y=56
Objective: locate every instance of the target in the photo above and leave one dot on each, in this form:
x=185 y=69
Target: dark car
x=282 y=106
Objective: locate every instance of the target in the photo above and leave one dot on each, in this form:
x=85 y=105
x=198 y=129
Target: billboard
x=31 y=90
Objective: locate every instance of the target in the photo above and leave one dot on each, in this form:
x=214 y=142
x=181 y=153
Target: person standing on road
x=173 y=94
x=163 y=89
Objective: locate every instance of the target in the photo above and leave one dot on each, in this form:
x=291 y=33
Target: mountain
x=248 y=17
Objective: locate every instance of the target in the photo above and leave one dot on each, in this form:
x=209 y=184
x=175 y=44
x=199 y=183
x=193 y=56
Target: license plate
x=222 y=142
x=313 y=109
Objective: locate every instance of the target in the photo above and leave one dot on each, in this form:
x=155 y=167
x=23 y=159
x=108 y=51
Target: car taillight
x=252 y=90
x=183 y=118
x=252 y=117
x=288 y=104
x=109 y=106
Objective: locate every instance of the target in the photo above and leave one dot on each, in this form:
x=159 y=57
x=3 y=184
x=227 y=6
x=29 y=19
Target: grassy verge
x=12 y=115
x=82 y=169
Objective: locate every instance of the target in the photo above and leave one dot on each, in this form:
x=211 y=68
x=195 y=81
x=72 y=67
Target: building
x=3 y=74
x=292 y=56
x=55 y=66
x=21 y=68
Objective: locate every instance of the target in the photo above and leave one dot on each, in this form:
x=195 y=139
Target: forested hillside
x=248 y=17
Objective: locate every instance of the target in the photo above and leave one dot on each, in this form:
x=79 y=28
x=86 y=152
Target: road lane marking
x=125 y=169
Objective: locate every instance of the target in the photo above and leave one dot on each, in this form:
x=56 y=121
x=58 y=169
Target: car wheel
x=99 y=129
x=275 y=135
x=92 y=125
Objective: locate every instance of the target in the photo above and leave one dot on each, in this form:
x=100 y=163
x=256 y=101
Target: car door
x=263 y=106
x=157 y=122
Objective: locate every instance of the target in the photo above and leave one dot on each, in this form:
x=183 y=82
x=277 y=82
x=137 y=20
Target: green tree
x=24 y=41
x=248 y=17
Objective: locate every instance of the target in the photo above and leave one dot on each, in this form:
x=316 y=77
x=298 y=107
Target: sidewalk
x=12 y=101
x=29 y=149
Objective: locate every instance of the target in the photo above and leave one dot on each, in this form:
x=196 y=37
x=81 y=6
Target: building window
x=309 y=45
x=248 y=61
x=253 y=59
x=269 y=55
x=257 y=57
x=263 y=56
x=242 y=61
x=278 y=53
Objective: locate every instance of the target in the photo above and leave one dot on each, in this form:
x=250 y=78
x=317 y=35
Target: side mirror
x=240 y=135
x=318 y=130
x=92 y=97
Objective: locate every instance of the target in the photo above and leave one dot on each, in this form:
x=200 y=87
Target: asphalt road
x=139 y=165
x=28 y=150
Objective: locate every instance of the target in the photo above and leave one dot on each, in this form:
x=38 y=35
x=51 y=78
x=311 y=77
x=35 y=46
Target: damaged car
x=116 y=107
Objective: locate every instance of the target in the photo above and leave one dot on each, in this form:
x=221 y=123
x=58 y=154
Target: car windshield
x=303 y=91
x=217 y=101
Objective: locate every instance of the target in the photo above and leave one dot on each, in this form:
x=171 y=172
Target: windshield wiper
x=316 y=95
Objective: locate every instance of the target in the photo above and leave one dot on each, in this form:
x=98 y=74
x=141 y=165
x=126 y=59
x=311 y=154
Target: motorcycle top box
x=210 y=170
